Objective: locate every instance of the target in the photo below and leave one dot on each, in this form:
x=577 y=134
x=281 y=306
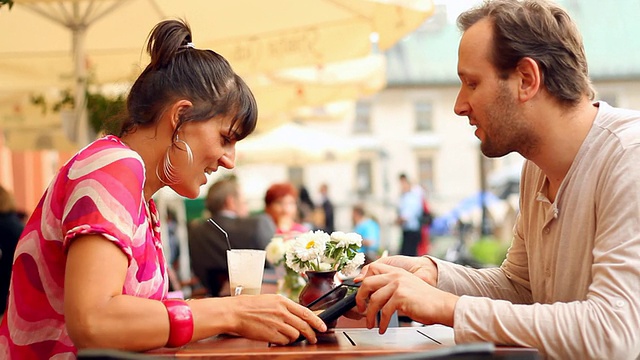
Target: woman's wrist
x=180 y=322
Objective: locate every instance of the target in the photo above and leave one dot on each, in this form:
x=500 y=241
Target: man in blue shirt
x=409 y=213
x=369 y=229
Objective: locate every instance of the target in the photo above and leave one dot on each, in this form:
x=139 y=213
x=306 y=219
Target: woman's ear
x=530 y=77
x=177 y=109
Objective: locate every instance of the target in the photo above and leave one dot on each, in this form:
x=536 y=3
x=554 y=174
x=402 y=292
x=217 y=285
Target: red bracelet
x=180 y=322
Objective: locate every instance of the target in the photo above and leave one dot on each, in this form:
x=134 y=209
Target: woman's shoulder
x=106 y=152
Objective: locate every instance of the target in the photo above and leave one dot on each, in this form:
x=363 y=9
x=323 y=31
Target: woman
x=281 y=204
x=89 y=271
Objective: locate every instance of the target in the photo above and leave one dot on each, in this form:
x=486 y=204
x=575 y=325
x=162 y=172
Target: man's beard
x=506 y=130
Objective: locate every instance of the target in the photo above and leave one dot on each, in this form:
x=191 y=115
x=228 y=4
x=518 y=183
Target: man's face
x=490 y=102
x=241 y=207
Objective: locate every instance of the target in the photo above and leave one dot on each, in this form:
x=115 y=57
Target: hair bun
x=166 y=40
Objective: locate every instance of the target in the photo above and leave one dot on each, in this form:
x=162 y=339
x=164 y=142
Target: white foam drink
x=246 y=267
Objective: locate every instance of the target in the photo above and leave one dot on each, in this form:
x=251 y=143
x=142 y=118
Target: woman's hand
x=390 y=287
x=272 y=318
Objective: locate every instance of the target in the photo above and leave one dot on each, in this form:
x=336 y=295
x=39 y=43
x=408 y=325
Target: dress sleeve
x=103 y=194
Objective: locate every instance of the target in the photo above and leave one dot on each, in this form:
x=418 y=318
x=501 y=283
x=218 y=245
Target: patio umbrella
x=285 y=90
x=104 y=38
x=469 y=210
x=294 y=145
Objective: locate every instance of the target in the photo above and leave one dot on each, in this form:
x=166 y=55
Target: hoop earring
x=168 y=169
x=187 y=148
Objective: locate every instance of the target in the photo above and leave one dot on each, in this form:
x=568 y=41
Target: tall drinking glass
x=246 y=268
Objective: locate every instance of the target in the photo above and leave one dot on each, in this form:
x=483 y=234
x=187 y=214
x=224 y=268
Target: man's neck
x=562 y=133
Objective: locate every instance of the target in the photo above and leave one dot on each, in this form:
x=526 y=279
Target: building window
x=363 y=178
x=362 y=124
x=425 y=173
x=424 y=115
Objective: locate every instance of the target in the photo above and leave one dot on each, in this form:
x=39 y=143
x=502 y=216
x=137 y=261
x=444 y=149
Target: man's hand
x=388 y=287
x=422 y=267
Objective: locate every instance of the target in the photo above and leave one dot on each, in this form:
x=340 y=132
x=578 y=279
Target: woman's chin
x=190 y=193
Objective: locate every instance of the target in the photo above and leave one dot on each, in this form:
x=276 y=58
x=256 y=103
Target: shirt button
x=619 y=303
x=546 y=230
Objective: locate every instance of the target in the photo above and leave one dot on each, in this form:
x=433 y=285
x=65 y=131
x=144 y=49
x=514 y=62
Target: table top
x=337 y=344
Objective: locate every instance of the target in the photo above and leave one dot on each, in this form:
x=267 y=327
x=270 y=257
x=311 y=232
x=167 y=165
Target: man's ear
x=177 y=109
x=530 y=78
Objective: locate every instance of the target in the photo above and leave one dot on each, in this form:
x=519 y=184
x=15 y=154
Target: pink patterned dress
x=99 y=191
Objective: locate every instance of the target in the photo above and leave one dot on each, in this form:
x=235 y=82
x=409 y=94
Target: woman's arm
x=98 y=315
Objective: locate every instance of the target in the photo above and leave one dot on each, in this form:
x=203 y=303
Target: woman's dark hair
x=180 y=71
x=542 y=31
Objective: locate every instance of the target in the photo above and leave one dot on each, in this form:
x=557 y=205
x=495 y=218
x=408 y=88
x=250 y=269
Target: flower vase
x=318 y=283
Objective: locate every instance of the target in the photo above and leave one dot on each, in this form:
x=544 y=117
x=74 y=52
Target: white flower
x=275 y=250
x=317 y=251
x=309 y=246
x=325 y=266
x=352 y=266
x=345 y=240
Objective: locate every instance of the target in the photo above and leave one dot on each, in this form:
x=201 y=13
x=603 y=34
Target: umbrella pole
x=81 y=126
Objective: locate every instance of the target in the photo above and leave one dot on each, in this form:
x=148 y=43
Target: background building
x=411 y=127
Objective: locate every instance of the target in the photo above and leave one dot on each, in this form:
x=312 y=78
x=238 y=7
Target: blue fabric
x=369 y=230
x=410 y=208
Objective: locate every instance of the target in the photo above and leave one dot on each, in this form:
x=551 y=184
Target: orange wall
x=28 y=173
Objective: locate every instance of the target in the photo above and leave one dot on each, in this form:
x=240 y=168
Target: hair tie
x=189 y=45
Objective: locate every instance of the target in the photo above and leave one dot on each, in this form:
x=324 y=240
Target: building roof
x=610 y=30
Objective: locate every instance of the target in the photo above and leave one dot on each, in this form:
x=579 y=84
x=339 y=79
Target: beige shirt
x=570 y=285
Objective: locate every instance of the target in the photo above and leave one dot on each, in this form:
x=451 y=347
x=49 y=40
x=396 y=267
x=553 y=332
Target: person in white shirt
x=570 y=284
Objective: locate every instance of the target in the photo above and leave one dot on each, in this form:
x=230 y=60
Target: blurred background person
x=208 y=246
x=281 y=204
x=307 y=210
x=11 y=227
x=327 y=209
x=369 y=229
x=410 y=209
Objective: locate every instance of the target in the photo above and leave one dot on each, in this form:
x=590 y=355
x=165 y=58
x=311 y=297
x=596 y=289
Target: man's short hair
x=542 y=31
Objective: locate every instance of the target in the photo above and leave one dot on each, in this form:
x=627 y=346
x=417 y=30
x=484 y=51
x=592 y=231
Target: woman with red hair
x=281 y=203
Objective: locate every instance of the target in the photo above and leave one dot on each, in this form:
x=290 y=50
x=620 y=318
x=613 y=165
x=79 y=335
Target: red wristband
x=180 y=322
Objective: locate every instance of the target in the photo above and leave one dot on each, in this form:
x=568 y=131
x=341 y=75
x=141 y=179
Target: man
x=369 y=229
x=409 y=214
x=570 y=283
x=327 y=209
x=207 y=245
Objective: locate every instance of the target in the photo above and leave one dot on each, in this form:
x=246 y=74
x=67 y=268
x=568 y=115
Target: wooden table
x=340 y=344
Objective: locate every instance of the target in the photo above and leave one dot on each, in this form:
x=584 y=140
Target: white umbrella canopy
x=294 y=145
x=286 y=90
x=256 y=36
x=56 y=43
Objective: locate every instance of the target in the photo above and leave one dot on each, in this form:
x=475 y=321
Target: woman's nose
x=228 y=159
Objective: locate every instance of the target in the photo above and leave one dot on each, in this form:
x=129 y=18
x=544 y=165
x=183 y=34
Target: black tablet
x=334 y=303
